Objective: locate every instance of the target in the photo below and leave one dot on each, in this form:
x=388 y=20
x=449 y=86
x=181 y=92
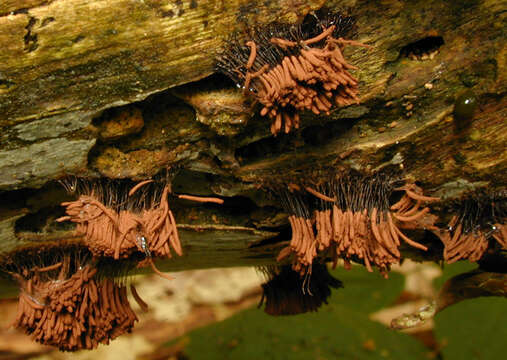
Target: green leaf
x=473 y=329
x=364 y=291
x=340 y=330
x=336 y=332
x=452 y=270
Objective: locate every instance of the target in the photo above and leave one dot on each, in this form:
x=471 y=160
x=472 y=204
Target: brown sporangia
x=479 y=217
x=303 y=247
x=287 y=293
x=63 y=302
x=119 y=219
x=294 y=68
x=116 y=225
x=66 y=305
x=354 y=219
x=351 y=218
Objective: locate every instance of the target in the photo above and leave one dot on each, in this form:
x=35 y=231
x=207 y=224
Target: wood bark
x=124 y=89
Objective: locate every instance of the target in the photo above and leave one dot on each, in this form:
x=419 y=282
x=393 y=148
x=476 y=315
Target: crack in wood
x=47 y=21
x=24 y=10
x=30 y=38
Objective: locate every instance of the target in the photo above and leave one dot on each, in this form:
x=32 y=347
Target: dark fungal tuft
x=287 y=293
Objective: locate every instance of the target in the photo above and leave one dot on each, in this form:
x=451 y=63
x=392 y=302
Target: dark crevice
x=41 y=221
x=15 y=12
x=43 y=206
x=47 y=21
x=284 y=234
x=315 y=135
x=6 y=84
x=320 y=135
x=215 y=81
x=186 y=181
x=78 y=39
x=266 y=147
x=238 y=205
x=494 y=262
x=15 y=199
x=423 y=48
x=24 y=10
x=30 y=38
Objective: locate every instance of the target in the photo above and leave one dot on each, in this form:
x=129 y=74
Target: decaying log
x=124 y=89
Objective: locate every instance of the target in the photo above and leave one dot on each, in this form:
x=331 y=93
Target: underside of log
x=126 y=89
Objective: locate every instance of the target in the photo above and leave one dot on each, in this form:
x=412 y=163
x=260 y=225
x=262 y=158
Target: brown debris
x=72 y=312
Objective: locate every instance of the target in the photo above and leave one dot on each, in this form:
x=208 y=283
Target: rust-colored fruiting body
x=118 y=218
x=124 y=224
x=65 y=305
x=294 y=68
x=350 y=218
x=479 y=217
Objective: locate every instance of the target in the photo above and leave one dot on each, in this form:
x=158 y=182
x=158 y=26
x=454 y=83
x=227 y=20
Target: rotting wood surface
x=64 y=62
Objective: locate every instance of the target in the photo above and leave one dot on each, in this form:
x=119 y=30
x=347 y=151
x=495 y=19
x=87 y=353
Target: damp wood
x=126 y=89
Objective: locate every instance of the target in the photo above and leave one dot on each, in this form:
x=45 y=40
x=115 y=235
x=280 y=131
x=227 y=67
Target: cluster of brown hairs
x=293 y=68
x=64 y=303
x=287 y=293
x=120 y=218
x=480 y=217
x=359 y=217
x=350 y=217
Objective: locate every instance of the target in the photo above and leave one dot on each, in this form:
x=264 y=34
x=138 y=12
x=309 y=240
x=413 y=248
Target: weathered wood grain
x=68 y=55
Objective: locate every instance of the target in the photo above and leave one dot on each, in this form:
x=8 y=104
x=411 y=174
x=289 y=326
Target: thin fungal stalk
x=202 y=199
x=291 y=69
x=303 y=245
x=66 y=306
x=360 y=225
x=479 y=217
x=408 y=212
x=322 y=214
x=287 y=293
